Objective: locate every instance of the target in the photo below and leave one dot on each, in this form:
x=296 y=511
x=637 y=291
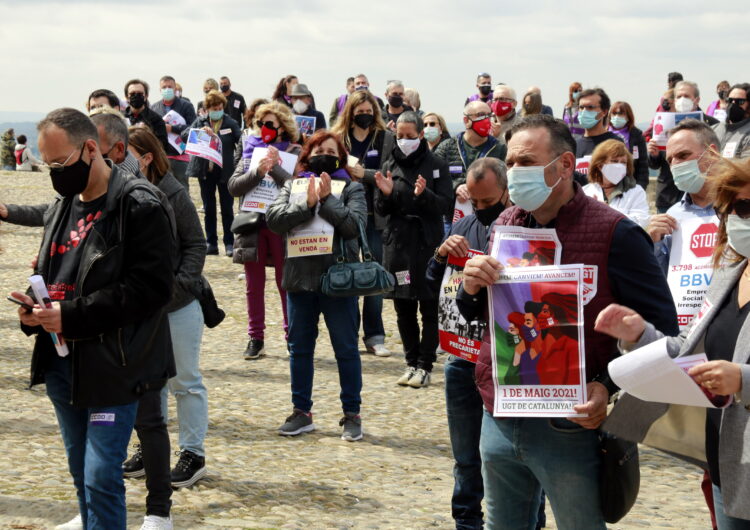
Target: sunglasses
x=737 y=101
x=268 y=124
x=741 y=207
x=431 y=124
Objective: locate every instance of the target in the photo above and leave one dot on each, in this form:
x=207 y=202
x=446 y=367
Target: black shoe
x=133 y=467
x=190 y=469
x=212 y=250
x=229 y=250
x=255 y=349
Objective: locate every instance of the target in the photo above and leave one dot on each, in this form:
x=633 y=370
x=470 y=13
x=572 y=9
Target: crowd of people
x=123 y=251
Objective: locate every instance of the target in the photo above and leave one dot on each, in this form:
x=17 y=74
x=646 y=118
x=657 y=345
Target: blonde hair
x=284 y=115
x=345 y=121
x=413 y=96
x=608 y=150
x=441 y=121
x=728 y=179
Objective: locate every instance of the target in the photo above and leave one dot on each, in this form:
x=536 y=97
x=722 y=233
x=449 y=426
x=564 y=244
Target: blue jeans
x=372 y=306
x=340 y=314
x=186 y=328
x=522 y=456
x=96 y=447
x=724 y=521
x=464 y=405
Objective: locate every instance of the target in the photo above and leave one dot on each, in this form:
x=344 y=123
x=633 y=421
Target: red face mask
x=482 y=127
x=268 y=135
x=501 y=108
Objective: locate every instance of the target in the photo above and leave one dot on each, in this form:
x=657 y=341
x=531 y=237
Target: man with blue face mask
x=520 y=457
x=593 y=109
x=169 y=101
x=691 y=154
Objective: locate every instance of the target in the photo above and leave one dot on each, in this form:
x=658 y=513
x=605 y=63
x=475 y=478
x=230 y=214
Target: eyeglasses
x=741 y=207
x=267 y=124
x=737 y=101
x=504 y=100
x=479 y=117
x=58 y=165
x=483 y=74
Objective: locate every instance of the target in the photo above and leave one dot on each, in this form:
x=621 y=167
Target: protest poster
x=666 y=121
x=204 y=145
x=582 y=164
x=516 y=246
x=690 y=269
x=461 y=209
x=313 y=237
x=262 y=196
x=536 y=339
x=175 y=140
x=305 y=124
x=457 y=336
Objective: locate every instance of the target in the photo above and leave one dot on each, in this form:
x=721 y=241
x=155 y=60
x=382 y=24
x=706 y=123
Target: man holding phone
x=106 y=259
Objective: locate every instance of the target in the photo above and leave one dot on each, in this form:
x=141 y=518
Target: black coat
x=641 y=162
x=153 y=120
x=414 y=226
x=229 y=133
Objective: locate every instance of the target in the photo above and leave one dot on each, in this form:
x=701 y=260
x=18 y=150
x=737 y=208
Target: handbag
x=365 y=278
x=619 y=476
x=213 y=315
x=246 y=222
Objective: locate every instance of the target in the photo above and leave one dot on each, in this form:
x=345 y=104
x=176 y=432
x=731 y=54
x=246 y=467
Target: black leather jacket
x=116 y=326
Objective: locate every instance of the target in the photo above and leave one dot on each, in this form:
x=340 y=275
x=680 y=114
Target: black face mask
x=323 y=164
x=488 y=215
x=73 y=179
x=137 y=100
x=364 y=121
x=224 y=88
x=723 y=94
x=395 y=101
x=665 y=105
x=485 y=89
x=735 y=113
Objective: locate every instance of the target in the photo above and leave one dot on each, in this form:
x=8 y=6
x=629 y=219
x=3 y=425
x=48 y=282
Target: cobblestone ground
x=399 y=476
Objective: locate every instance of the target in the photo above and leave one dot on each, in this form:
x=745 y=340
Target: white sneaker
x=154 y=522
x=76 y=523
x=408 y=374
x=420 y=379
x=379 y=349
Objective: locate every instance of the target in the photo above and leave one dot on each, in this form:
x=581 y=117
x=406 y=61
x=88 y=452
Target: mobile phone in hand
x=26 y=306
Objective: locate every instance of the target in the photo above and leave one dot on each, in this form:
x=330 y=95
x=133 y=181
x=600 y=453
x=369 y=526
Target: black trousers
x=420 y=353
x=152 y=433
x=209 y=184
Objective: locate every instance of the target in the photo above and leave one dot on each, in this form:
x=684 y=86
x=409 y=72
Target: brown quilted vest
x=584 y=227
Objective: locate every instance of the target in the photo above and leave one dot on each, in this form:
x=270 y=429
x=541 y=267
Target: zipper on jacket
x=119 y=343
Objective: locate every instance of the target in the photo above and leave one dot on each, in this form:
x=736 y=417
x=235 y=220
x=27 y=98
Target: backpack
x=19 y=156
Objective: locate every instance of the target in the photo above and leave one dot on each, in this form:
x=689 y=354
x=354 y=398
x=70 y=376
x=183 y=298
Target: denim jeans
x=341 y=320
x=154 y=438
x=464 y=406
x=209 y=184
x=186 y=329
x=255 y=282
x=372 y=306
x=724 y=521
x=96 y=447
x=522 y=456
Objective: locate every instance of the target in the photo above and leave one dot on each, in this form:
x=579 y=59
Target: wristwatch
x=440 y=259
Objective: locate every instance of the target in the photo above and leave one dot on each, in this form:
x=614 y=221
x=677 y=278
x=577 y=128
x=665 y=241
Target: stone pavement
x=399 y=476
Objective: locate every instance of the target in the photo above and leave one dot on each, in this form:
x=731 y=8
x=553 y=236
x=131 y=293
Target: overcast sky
x=55 y=53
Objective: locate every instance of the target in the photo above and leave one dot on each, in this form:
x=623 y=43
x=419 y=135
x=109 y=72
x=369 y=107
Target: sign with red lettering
x=703 y=240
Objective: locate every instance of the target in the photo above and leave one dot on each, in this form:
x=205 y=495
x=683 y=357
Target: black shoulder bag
x=620 y=476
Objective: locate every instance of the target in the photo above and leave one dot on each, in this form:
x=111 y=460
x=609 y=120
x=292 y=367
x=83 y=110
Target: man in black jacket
x=138 y=111
x=236 y=106
x=106 y=260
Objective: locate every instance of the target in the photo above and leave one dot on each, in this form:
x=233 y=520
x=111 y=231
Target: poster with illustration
x=461 y=209
x=175 y=140
x=666 y=121
x=516 y=246
x=457 y=336
x=305 y=124
x=536 y=339
x=204 y=145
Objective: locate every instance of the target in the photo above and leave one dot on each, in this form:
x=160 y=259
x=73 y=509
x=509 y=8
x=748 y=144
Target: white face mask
x=683 y=104
x=738 y=234
x=408 y=145
x=614 y=172
x=299 y=106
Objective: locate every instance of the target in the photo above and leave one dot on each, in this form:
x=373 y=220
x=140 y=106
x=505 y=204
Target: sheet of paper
x=204 y=145
x=262 y=196
x=650 y=374
x=173 y=118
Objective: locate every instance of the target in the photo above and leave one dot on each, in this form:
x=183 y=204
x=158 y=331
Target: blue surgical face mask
x=618 y=122
x=527 y=187
x=588 y=119
x=738 y=234
x=576 y=95
x=167 y=94
x=216 y=115
x=687 y=175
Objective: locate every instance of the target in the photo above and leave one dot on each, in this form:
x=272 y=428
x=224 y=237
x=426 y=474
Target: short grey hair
x=77 y=126
x=393 y=83
x=702 y=131
x=411 y=117
x=694 y=86
x=113 y=125
x=481 y=165
x=510 y=89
